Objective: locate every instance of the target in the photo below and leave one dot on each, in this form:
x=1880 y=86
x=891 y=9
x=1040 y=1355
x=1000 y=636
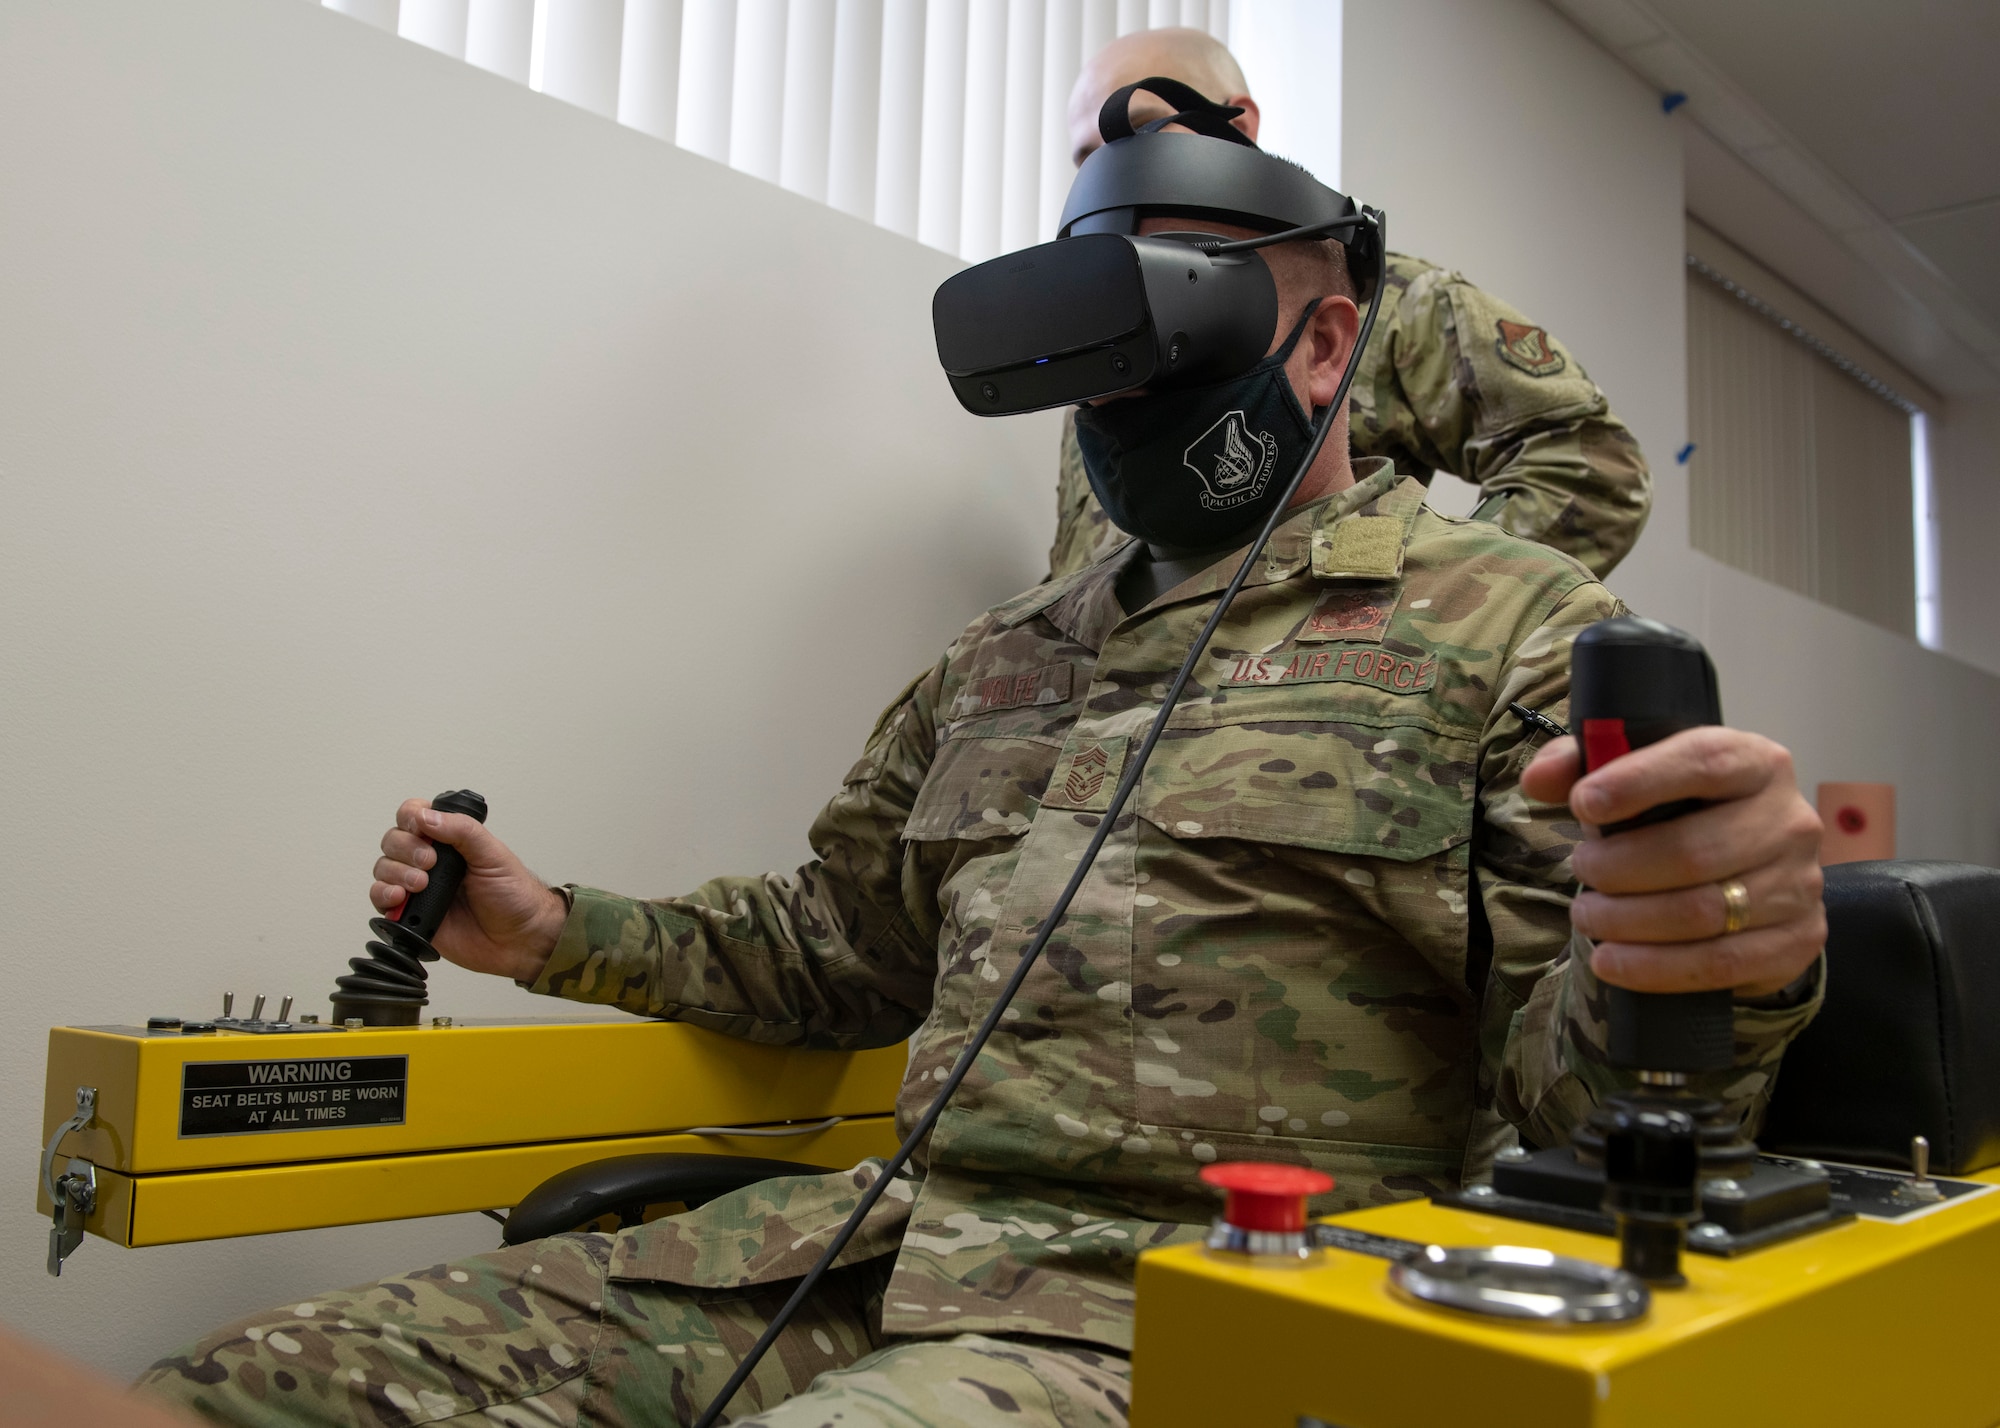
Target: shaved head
x=1194 y=57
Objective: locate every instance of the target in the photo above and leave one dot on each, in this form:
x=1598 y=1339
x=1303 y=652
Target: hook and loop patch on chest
x=1087 y=774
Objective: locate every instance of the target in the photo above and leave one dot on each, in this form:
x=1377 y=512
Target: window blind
x=944 y=120
x=1801 y=468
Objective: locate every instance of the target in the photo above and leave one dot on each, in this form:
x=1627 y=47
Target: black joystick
x=388 y=986
x=1633 y=683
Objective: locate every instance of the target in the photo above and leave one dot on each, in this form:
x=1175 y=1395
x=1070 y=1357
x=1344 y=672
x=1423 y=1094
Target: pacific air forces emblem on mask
x=1233 y=462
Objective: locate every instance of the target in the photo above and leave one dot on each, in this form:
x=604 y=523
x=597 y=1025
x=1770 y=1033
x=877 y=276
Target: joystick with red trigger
x=1633 y=683
x=388 y=986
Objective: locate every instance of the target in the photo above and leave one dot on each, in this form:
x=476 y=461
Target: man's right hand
x=505 y=919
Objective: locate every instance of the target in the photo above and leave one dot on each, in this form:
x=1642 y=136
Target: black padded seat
x=624 y=1185
x=1908 y=1042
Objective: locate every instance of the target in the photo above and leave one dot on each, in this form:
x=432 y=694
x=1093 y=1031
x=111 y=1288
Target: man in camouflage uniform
x=1277 y=956
x=1453 y=380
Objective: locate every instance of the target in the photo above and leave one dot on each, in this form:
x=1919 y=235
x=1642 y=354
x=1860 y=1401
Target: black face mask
x=1196 y=468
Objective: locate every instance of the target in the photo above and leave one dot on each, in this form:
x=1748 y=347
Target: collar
x=1365 y=529
x=1359 y=534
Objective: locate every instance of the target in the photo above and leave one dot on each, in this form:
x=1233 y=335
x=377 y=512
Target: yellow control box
x=1866 y=1322
x=229 y=1133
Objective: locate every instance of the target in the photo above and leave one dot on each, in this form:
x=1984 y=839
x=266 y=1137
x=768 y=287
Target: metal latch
x=74 y=1193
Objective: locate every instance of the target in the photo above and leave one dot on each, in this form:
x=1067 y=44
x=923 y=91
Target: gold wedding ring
x=1735 y=906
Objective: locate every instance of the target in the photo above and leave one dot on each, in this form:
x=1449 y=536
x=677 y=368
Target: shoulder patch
x=1526 y=347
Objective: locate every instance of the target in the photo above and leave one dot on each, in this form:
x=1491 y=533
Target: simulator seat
x=627 y=1190
x=1908 y=1041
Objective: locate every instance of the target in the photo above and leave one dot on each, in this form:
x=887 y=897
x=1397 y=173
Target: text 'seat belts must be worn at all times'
x=245 y=1097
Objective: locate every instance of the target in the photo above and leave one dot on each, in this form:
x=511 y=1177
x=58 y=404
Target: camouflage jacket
x=1276 y=956
x=1455 y=380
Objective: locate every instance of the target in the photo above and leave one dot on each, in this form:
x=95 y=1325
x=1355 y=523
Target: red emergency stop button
x=1263 y=1197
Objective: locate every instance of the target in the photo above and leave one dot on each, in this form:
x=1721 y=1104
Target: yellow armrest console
x=230 y=1133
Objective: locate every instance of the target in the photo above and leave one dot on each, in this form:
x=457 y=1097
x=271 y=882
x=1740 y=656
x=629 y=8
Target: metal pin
x=228 y=1005
x=285 y=1009
x=257 y=1008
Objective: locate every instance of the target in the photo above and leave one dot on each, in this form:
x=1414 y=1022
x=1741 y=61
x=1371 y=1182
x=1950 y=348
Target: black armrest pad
x=1908 y=1040
x=579 y=1195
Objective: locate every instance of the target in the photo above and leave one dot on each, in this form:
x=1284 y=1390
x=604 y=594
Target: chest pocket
x=1299 y=939
x=1270 y=766
x=982 y=787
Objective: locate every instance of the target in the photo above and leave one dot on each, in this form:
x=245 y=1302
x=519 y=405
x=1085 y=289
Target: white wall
x=370 y=425
x=1520 y=153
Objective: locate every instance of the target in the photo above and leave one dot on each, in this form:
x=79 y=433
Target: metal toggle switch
x=1920 y=1188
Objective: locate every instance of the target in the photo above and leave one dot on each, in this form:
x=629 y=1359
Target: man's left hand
x=1653 y=898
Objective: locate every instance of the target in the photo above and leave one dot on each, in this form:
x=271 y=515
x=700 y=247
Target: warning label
x=244 y=1097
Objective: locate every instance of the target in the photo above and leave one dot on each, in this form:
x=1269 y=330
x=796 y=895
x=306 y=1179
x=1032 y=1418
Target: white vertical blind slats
x=855 y=105
x=944 y=120
x=498 y=36
x=580 y=52
x=757 y=96
x=1799 y=475
x=808 y=98
x=708 y=71
x=985 y=128
x=649 y=67
x=1021 y=127
x=939 y=190
x=1062 y=59
x=900 y=115
x=435 y=24
x=1100 y=25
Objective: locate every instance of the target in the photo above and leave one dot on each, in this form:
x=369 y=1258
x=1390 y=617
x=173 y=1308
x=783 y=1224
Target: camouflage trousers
x=539 y=1336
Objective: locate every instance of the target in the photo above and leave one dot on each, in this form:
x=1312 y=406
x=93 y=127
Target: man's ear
x=1335 y=325
x=1250 y=118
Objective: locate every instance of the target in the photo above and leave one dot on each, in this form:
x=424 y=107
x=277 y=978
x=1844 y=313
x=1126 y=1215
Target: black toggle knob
x=388 y=986
x=1651 y=1163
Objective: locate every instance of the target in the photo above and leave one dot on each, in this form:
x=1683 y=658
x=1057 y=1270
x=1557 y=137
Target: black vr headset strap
x=1197 y=112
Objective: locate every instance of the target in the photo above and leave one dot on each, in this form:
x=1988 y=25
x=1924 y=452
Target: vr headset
x=1102 y=310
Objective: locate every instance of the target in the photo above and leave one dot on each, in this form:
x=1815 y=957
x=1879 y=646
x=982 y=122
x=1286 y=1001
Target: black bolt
x=1118 y=362
x=989 y=391
x=196 y=1028
x=162 y=1023
x=1191 y=277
